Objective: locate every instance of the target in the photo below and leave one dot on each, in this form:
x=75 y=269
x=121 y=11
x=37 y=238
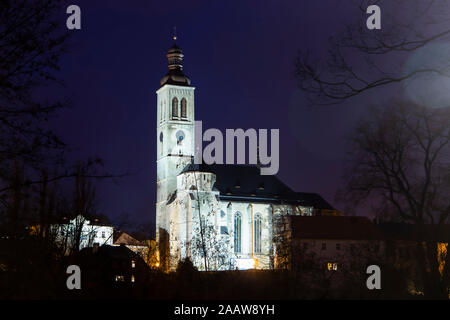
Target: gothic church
x=220 y=216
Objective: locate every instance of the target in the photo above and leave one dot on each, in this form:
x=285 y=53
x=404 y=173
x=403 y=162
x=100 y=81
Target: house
x=111 y=267
x=80 y=232
x=145 y=248
x=334 y=242
x=402 y=243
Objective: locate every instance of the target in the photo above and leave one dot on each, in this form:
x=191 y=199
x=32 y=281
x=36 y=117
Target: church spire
x=174 y=34
x=175 y=58
x=175 y=54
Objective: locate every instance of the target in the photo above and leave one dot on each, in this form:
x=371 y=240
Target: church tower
x=175 y=140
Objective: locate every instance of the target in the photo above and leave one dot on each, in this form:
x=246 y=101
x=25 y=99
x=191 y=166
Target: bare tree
x=31 y=43
x=401 y=156
x=213 y=248
x=207 y=243
x=360 y=60
x=33 y=38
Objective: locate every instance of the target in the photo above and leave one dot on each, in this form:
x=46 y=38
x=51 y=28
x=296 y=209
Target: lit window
x=133 y=264
x=132 y=278
x=332 y=266
x=120 y=278
x=237 y=232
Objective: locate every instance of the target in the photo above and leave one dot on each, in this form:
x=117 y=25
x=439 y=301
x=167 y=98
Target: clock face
x=161 y=137
x=180 y=136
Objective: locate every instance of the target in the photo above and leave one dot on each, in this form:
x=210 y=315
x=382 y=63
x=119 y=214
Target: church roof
x=244 y=182
x=175 y=76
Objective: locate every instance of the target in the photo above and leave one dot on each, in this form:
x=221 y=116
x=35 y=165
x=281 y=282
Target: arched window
x=183 y=108
x=237 y=232
x=257 y=233
x=175 y=108
x=164 y=110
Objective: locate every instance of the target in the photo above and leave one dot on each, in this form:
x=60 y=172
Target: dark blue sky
x=240 y=57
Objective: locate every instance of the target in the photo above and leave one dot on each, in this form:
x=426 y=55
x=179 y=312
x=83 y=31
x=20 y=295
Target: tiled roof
x=241 y=182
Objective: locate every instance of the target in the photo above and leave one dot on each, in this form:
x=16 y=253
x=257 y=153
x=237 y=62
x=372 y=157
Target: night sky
x=240 y=57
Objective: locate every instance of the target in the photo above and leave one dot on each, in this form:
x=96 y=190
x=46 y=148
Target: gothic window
x=237 y=232
x=161 y=138
x=164 y=110
x=183 y=108
x=203 y=223
x=223 y=230
x=257 y=233
x=175 y=108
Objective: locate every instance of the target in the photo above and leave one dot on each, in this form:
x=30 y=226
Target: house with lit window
x=219 y=216
x=333 y=243
x=145 y=248
x=402 y=243
x=111 y=267
x=81 y=232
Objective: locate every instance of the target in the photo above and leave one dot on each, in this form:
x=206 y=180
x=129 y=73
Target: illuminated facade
x=220 y=216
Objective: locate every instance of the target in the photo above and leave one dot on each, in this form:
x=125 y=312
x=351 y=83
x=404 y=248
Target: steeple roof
x=175 y=76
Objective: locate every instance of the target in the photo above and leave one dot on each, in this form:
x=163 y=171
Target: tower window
x=175 y=108
x=237 y=232
x=183 y=108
